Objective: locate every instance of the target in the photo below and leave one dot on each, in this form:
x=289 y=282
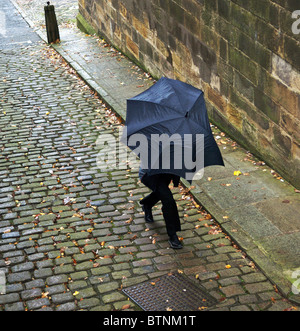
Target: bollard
x=51 y=24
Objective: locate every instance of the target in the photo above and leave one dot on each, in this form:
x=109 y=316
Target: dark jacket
x=143 y=174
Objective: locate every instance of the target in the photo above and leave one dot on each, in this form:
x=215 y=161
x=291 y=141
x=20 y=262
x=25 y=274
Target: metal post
x=51 y=24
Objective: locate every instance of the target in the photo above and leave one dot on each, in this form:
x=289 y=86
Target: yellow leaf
x=76 y=293
x=45 y=295
x=228 y=266
x=202 y=308
x=237 y=173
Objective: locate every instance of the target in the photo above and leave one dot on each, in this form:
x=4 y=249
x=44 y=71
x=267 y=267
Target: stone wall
x=244 y=54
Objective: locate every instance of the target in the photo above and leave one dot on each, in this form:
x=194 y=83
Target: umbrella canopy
x=167 y=126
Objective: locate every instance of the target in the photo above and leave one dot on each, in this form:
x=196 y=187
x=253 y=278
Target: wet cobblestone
x=72 y=236
x=65 y=10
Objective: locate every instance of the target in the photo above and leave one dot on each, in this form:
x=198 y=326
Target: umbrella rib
x=152 y=124
x=156 y=103
x=178 y=116
x=177 y=96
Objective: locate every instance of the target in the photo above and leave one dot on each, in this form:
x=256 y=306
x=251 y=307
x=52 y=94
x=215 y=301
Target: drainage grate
x=171 y=292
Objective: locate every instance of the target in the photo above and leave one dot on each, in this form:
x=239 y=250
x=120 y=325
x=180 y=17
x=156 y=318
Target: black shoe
x=175 y=242
x=148 y=214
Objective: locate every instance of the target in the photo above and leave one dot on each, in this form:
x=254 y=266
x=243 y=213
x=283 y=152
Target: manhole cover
x=171 y=292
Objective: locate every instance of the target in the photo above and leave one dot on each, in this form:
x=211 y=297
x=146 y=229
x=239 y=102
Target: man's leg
x=169 y=208
x=147 y=204
x=150 y=200
x=161 y=191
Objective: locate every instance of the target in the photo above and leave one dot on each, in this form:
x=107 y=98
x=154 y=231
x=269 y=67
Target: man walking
x=159 y=184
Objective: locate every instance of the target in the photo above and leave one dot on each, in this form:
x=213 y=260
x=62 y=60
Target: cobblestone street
x=73 y=236
x=66 y=11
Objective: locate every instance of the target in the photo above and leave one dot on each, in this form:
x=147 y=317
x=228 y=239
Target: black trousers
x=159 y=184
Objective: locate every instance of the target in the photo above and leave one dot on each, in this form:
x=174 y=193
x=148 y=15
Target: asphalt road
x=14 y=30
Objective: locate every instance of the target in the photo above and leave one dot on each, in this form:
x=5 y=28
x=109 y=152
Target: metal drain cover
x=172 y=292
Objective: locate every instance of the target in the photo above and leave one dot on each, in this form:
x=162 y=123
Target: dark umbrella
x=167 y=126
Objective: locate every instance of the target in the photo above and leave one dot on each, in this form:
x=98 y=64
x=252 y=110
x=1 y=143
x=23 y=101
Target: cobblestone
x=73 y=235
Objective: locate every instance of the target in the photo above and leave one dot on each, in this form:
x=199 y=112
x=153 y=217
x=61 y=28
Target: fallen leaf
x=45 y=295
x=214 y=231
x=237 y=173
x=291 y=308
x=202 y=308
x=126 y=307
x=67 y=200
